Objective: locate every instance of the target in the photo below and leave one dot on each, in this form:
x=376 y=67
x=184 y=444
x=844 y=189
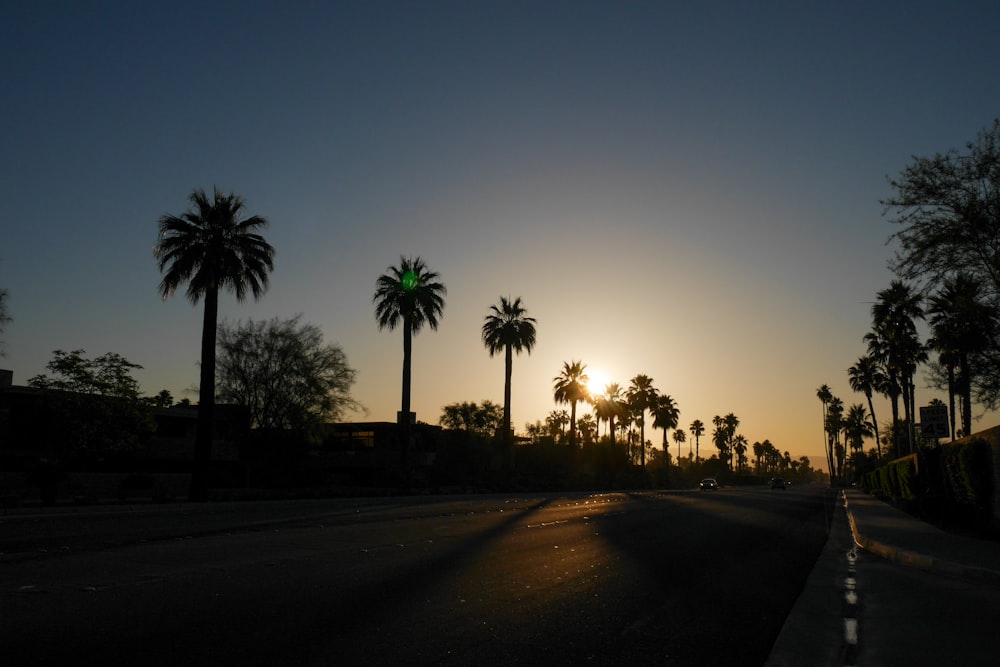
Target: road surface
x=676 y=579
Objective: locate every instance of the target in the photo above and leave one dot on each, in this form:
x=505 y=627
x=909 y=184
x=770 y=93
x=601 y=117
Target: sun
x=597 y=380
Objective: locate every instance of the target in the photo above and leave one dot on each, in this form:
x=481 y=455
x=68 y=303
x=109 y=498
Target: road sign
x=934 y=421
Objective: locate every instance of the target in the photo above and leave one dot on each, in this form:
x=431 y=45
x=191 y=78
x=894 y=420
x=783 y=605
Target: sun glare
x=597 y=380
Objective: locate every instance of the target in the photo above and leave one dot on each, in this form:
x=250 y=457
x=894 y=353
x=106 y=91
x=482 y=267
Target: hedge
x=957 y=475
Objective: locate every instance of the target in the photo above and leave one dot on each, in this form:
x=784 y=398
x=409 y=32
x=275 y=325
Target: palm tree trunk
x=666 y=452
x=572 y=424
x=951 y=400
x=507 y=439
x=642 y=442
x=910 y=404
x=871 y=409
x=966 y=387
x=404 y=417
x=206 y=398
x=895 y=423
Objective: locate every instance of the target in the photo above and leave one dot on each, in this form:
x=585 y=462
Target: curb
x=940 y=566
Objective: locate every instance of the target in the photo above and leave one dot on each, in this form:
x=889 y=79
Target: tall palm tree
x=641 y=396
x=731 y=422
x=665 y=416
x=894 y=341
x=211 y=247
x=834 y=424
x=610 y=406
x=697 y=429
x=962 y=325
x=570 y=386
x=408 y=295
x=865 y=376
x=680 y=437
x=740 y=450
x=825 y=396
x=508 y=328
x=719 y=438
x=857 y=428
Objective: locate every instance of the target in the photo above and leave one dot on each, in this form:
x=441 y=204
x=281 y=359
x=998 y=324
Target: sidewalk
x=901 y=538
x=900 y=622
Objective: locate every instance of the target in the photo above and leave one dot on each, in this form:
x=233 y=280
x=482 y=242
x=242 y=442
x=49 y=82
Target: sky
x=689 y=191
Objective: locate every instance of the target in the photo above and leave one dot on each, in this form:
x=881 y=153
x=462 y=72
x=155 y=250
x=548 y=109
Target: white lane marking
x=851 y=631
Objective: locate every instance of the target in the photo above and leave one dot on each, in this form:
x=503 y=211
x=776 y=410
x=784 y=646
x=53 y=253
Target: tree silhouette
x=665 y=416
x=865 y=376
x=610 y=405
x=641 y=397
x=211 y=247
x=962 y=327
x=680 y=437
x=570 y=386
x=408 y=295
x=856 y=428
x=895 y=343
x=825 y=396
x=697 y=429
x=508 y=328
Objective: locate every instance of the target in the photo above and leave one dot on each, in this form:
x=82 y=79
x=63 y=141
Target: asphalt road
x=645 y=578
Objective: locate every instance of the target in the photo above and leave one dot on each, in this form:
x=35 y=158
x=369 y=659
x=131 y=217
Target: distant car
x=778 y=483
x=709 y=484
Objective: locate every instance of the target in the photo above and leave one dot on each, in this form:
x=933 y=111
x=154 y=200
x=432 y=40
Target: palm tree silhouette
x=680 y=437
x=894 y=341
x=409 y=295
x=856 y=428
x=825 y=396
x=697 y=429
x=210 y=247
x=666 y=416
x=865 y=376
x=641 y=396
x=508 y=328
x=962 y=326
x=571 y=387
x=609 y=406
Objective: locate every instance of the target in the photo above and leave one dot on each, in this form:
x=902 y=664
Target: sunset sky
x=684 y=190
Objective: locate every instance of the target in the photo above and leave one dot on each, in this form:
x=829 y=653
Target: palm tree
x=895 y=343
x=680 y=437
x=508 y=328
x=571 y=387
x=730 y=423
x=962 y=325
x=556 y=421
x=740 y=449
x=665 y=416
x=697 y=429
x=825 y=396
x=587 y=425
x=856 y=428
x=641 y=396
x=865 y=376
x=211 y=247
x=410 y=295
x=719 y=438
x=834 y=424
x=610 y=406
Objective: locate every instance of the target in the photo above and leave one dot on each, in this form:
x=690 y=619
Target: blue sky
x=685 y=190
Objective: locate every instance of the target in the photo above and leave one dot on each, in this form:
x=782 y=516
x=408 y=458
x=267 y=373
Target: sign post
x=934 y=421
